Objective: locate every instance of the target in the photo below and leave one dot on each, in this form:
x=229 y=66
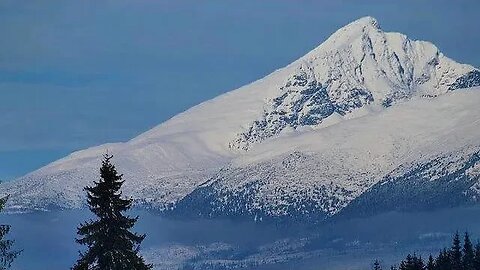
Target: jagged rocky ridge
x=358 y=65
x=304 y=142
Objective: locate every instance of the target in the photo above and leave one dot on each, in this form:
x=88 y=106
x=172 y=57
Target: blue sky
x=75 y=74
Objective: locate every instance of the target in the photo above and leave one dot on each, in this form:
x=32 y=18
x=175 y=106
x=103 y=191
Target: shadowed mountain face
x=358 y=119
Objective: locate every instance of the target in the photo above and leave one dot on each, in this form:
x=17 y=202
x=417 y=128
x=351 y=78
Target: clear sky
x=75 y=74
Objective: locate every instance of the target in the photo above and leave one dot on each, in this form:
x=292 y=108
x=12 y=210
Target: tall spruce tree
x=110 y=243
x=412 y=263
x=376 y=265
x=443 y=261
x=430 y=263
x=418 y=263
x=468 y=259
x=456 y=253
x=7 y=255
x=476 y=262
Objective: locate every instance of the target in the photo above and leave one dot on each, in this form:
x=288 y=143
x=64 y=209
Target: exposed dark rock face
x=470 y=79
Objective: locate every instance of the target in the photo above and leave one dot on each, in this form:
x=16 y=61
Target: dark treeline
x=460 y=256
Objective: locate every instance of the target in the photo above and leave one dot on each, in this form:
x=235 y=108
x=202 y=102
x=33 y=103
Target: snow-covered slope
x=316 y=174
x=358 y=65
x=317 y=133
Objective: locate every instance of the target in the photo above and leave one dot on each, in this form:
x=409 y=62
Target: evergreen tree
x=376 y=265
x=430 y=263
x=412 y=263
x=7 y=255
x=110 y=243
x=418 y=263
x=456 y=253
x=407 y=263
x=443 y=261
x=468 y=260
x=476 y=261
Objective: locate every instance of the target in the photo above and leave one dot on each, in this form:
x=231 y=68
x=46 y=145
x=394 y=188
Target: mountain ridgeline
x=367 y=122
x=357 y=66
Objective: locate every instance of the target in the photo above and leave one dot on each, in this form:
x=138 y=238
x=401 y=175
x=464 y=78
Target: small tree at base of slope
x=456 y=253
x=7 y=256
x=110 y=243
x=376 y=265
x=468 y=258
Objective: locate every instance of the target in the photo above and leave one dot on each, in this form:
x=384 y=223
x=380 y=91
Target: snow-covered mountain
x=414 y=155
x=360 y=114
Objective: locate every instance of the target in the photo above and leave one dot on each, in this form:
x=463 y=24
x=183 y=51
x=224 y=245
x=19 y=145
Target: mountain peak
x=359 y=71
x=356 y=68
x=363 y=29
x=366 y=21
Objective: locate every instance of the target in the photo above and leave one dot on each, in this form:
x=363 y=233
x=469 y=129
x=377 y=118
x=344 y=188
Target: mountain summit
x=359 y=65
x=363 y=111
